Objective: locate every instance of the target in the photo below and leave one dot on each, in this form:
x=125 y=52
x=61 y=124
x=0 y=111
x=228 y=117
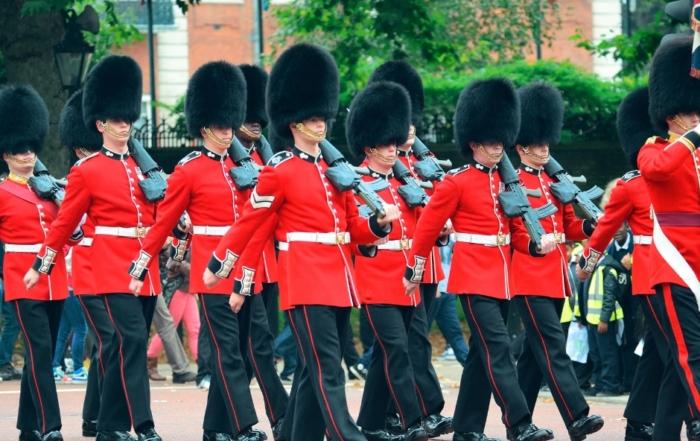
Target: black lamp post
x=73 y=54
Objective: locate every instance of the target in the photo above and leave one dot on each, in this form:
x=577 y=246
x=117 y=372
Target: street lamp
x=73 y=54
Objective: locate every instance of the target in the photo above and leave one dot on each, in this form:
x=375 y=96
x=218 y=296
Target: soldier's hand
x=409 y=286
x=602 y=328
x=447 y=229
x=236 y=301
x=209 y=278
x=135 y=286
x=581 y=274
x=391 y=213
x=31 y=278
x=547 y=244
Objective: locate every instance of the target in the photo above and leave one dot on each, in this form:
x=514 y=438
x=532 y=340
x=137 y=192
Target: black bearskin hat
x=24 y=119
x=671 y=88
x=379 y=115
x=541 y=113
x=256 y=81
x=487 y=111
x=634 y=125
x=216 y=96
x=403 y=73
x=113 y=90
x=72 y=129
x=303 y=84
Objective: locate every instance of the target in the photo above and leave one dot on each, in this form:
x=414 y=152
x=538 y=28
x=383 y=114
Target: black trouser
x=656 y=393
x=261 y=362
x=544 y=355
x=607 y=359
x=390 y=377
x=229 y=403
x=203 y=348
x=427 y=384
x=270 y=296
x=288 y=422
x=489 y=366
x=38 y=400
x=321 y=384
x=126 y=395
x=102 y=332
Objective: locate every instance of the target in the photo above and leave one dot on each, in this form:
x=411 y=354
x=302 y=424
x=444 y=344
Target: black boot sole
x=441 y=429
x=593 y=428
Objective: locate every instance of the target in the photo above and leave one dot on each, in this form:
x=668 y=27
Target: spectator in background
x=8 y=333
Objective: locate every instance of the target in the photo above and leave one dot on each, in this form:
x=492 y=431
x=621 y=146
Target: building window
x=136 y=12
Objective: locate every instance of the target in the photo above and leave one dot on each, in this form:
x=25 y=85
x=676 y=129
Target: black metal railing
x=166 y=136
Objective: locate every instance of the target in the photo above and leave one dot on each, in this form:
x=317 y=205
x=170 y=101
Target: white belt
x=396 y=245
x=339 y=238
x=132 y=232
x=283 y=246
x=22 y=248
x=207 y=230
x=85 y=242
x=642 y=240
x=493 y=240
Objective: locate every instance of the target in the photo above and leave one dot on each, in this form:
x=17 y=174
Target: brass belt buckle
x=340 y=238
x=405 y=245
x=141 y=232
x=500 y=239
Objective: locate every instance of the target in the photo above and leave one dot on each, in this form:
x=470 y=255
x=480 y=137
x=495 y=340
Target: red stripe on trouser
x=546 y=355
x=296 y=334
x=680 y=343
x=122 y=371
x=386 y=368
x=31 y=356
x=494 y=386
x=97 y=334
x=320 y=375
x=218 y=362
x=261 y=383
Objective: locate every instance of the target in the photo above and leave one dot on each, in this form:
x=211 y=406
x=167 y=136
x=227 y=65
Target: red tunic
x=105 y=186
x=433 y=267
x=24 y=220
x=546 y=276
x=81 y=262
x=629 y=201
x=268 y=261
x=469 y=197
x=380 y=280
x=672 y=176
x=202 y=186
x=295 y=188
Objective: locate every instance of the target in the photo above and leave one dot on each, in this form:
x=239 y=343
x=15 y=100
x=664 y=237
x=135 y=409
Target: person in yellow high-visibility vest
x=604 y=315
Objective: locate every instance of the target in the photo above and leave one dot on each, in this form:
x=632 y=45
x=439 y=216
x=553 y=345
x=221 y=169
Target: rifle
x=568 y=192
x=515 y=203
x=428 y=167
x=265 y=150
x=245 y=176
x=46 y=186
x=410 y=191
x=344 y=178
x=154 y=185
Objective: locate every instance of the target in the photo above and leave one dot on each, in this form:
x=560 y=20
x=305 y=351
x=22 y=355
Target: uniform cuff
x=139 y=267
x=178 y=249
x=44 y=264
x=246 y=285
x=222 y=267
x=414 y=273
x=367 y=250
x=588 y=262
x=533 y=249
x=588 y=227
x=442 y=240
x=377 y=229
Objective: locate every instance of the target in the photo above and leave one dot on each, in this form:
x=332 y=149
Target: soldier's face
x=683 y=122
x=315 y=124
x=114 y=131
x=488 y=154
x=381 y=156
x=534 y=155
x=250 y=131
x=21 y=163
x=223 y=133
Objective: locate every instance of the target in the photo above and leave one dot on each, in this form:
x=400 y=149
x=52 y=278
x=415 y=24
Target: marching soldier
x=540 y=304
x=653 y=408
x=202 y=186
x=671 y=170
x=105 y=187
x=260 y=341
x=487 y=119
x=377 y=123
x=85 y=142
x=317 y=222
x=24 y=221
x=427 y=383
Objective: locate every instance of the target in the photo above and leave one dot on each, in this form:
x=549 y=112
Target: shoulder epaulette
x=458 y=170
x=279 y=158
x=631 y=175
x=190 y=156
x=80 y=161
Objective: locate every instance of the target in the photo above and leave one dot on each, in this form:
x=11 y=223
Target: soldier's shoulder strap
x=80 y=162
x=630 y=175
x=458 y=170
x=279 y=157
x=189 y=157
